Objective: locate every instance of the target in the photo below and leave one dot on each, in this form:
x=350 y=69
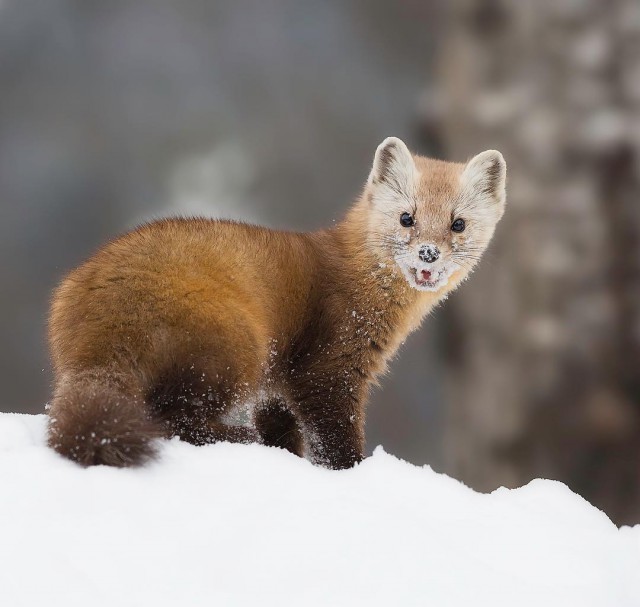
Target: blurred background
x=112 y=113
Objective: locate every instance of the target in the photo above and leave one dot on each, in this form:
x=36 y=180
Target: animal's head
x=429 y=217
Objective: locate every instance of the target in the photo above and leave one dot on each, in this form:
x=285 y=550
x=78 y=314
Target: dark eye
x=458 y=225
x=407 y=220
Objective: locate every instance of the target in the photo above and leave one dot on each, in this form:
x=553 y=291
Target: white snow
x=249 y=525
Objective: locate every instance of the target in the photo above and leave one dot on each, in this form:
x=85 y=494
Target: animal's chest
x=362 y=343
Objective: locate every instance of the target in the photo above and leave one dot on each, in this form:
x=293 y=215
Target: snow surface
x=250 y=525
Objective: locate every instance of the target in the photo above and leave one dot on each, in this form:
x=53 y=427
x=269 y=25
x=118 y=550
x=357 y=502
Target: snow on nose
x=429 y=253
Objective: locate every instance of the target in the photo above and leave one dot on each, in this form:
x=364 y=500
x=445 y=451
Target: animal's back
x=165 y=307
x=168 y=284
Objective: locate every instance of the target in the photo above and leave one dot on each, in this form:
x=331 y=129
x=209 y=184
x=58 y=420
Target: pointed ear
x=393 y=165
x=485 y=175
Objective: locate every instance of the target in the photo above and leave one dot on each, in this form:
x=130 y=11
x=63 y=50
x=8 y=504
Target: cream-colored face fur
x=434 y=194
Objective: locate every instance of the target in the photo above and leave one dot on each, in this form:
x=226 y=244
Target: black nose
x=428 y=253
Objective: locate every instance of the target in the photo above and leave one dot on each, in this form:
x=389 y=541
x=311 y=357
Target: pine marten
x=172 y=325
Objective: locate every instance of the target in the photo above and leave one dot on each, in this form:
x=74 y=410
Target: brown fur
x=169 y=327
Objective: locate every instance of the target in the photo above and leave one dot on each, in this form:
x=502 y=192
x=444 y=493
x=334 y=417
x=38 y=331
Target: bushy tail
x=94 y=419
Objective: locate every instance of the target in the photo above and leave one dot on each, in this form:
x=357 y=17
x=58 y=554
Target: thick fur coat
x=168 y=328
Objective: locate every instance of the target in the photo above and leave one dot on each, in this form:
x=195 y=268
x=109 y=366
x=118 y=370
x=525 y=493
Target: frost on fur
x=413 y=203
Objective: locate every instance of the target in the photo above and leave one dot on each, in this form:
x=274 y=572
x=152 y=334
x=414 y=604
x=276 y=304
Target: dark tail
x=94 y=419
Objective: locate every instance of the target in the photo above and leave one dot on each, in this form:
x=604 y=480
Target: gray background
x=112 y=113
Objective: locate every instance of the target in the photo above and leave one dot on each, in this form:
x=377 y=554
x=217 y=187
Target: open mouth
x=426 y=277
x=427 y=280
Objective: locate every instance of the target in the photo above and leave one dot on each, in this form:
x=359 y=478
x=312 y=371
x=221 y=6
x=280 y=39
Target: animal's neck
x=385 y=308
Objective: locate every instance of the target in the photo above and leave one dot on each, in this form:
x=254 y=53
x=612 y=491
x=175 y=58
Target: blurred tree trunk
x=544 y=342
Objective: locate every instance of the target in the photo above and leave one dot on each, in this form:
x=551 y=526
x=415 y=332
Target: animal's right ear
x=393 y=166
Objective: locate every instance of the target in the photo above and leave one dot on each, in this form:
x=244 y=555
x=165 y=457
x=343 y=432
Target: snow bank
x=249 y=525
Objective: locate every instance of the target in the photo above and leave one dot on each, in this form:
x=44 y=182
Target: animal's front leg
x=334 y=430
